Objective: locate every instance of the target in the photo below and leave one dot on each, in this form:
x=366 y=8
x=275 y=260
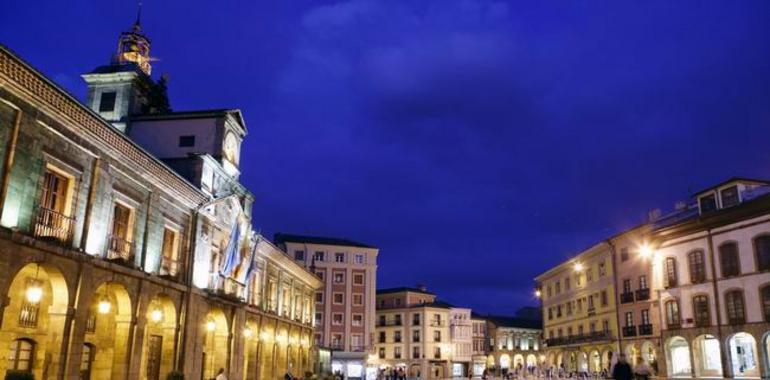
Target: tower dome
x=134 y=47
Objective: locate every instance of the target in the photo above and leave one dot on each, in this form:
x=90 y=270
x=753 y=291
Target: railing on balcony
x=120 y=249
x=736 y=321
x=53 y=224
x=358 y=348
x=388 y=323
x=645 y=329
x=643 y=294
x=591 y=311
x=702 y=322
x=627 y=297
x=437 y=323
x=629 y=331
x=230 y=288
x=583 y=338
x=28 y=315
x=169 y=267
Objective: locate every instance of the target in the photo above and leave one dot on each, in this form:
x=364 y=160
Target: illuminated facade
x=516 y=343
x=120 y=265
x=579 y=311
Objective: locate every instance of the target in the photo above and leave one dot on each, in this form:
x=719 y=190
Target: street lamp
x=211 y=325
x=538 y=293
x=646 y=251
x=156 y=315
x=34 y=292
x=247 y=333
x=578 y=267
x=104 y=305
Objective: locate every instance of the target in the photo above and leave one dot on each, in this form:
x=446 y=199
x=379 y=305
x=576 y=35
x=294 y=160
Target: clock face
x=231 y=148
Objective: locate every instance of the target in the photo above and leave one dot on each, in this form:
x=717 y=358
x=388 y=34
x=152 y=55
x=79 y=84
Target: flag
x=232 y=251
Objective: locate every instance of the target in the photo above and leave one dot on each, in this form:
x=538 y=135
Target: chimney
x=654 y=215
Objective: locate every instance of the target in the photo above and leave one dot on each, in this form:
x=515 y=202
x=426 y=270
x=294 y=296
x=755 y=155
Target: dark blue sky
x=476 y=143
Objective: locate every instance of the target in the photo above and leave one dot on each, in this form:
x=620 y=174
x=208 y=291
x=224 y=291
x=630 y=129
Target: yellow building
x=579 y=311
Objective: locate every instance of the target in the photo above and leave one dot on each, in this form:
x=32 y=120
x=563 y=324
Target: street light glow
x=34 y=293
x=578 y=267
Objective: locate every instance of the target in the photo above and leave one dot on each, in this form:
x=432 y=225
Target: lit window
x=22 y=353
x=358 y=320
x=339 y=278
x=358 y=299
x=736 y=314
x=337 y=319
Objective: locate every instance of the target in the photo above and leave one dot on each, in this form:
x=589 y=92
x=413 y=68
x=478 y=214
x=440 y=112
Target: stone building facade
x=117 y=266
x=515 y=343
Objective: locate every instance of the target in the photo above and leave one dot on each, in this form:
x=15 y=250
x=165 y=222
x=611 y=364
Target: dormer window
x=708 y=203
x=729 y=196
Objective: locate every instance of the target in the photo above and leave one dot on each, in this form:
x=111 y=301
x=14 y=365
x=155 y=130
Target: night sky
x=476 y=143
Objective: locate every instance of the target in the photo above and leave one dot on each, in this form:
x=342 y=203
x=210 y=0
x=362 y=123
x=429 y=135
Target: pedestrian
x=622 y=370
x=221 y=375
x=642 y=370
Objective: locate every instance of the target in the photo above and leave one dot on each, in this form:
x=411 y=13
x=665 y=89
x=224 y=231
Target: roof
x=128 y=67
x=507 y=321
x=289 y=238
x=729 y=180
x=194 y=114
x=403 y=289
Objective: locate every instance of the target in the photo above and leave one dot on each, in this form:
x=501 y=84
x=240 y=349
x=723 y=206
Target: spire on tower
x=138 y=22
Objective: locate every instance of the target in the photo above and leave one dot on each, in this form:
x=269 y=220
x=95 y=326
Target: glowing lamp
x=34 y=292
x=537 y=293
x=211 y=325
x=265 y=336
x=247 y=333
x=104 y=306
x=156 y=315
x=645 y=251
x=578 y=267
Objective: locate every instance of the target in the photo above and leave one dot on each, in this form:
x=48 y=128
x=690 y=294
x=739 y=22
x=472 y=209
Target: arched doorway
x=531 y=360
x=766 y=353
x=215 y=342
x=582 y=361
x=505 y=362
x=518 y=361
x=707 y=356
x=158 y=350
x=632 y=354
x=607 y=359
x=743 y=355
x=33 y=321
x=560 y=360
x=678 y=357
x=650 y=356
x=572 y=361
x=551 y=359
x=595 y=361
x=107 y=328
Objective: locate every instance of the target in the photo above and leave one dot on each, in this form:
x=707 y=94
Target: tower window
x=186 y=141
x=107 y=102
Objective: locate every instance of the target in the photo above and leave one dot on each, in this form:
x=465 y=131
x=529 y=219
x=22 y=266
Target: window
x=623 y=254
x=398 y=319
x=558 y=287
x=359 y=258
x=22 y=355
x=765 y=294
x=337 y=340
x=643 y=282
x=736 y=313
x=319 y=318
x=697 y=267
x=606 y=326
x=569 y=308
x=187 y=141
x=299 y=255
x=382 y=353
x=52 y=219
x=569 y=331
x=339 y=257
x=590 y=302
x=437 y=336
x=337 y=319
x=604 y=298
x=169 y=265
x=338 y=298
x=762 y=247
x=700 y=305
x=415 y=352
x=558 y=311
x=107 y=101
x=550 y=313
x=398 y=301
x=120 y=244
x=320 y=256
x=589 y=274
x=416 y=336
x=397 y=353
x=626 y=286
x=708 y=203
x=382 y=337
x=670 y=280
x=602 y=269
x=645 y=317
x=319 y=297
x=566 y=284
x=358 y=279
x=729 y=259
x=358 y=299
x=86 y=361
x=548 y=291
x=629 y=319
x=437 y=352
x=415 y=319
x=320 y=274
x=358 y=319
x=339 y=278
x=729 y=196
x=397 y=336
x=672 y=314
x=28 y=314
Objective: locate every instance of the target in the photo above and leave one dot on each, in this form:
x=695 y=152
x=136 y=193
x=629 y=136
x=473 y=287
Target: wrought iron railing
x=169 y=267
x=227 y=286
x=629 y=331
x=626 y=297
x=120 y=249
x=582 y=338
x=643 y=294
x=645 y=329
x=28 y=315
x=53 y=224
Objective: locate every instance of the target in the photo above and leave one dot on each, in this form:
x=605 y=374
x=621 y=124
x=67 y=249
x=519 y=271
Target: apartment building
x=345 y=306
x=579 y=311
x=461 y=337
x=516 y=343
x=481 y=346
x=413 y=333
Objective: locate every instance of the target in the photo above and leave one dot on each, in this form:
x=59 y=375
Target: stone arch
x=632 y=354
x=216 y=335
x=518 y=361
x=678 y=357
x=765 y=353
x=107 y=330
x=595 y=361
x=582 y=361
x=743 y=358
x=505 y=361
x=34 y=319
x=650 y=354
x=159 y=335
x=531 y=360
x=607 y=357
x=706 y=354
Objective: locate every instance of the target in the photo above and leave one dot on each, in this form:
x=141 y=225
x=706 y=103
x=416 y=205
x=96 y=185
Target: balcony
x=120 y=249
x=357 y=348
x=671 y=282
x=168 y=267
x=629 y=331
x=627 y=297
x=437 y=323
x=645 y=329
x=229 y=288
x=736 y=321
x=578 y=339
x=643 y=294
x=384 y=323
x=53 y=225
x=591 y=311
